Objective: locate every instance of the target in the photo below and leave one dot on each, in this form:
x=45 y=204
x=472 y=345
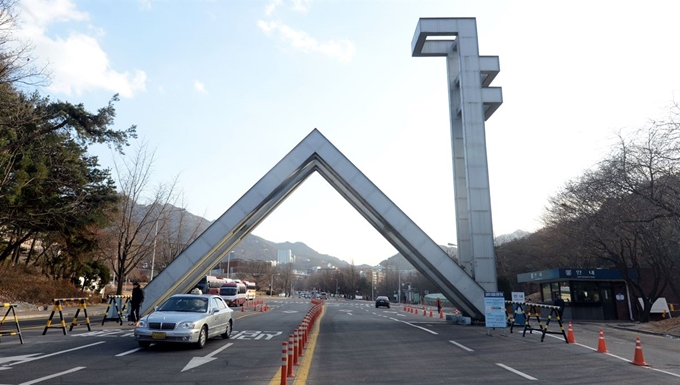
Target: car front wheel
x=202 y=337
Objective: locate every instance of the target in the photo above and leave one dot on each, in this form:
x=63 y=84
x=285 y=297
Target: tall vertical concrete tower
x=471 y=103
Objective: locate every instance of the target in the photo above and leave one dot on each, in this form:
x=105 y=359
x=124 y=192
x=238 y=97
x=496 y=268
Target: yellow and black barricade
x=62 y=325
x=518 y=317
x=10 y=308
x=534 y=310
x=119 y=302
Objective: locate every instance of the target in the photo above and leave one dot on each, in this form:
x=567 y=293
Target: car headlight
x=186 y=325
x=141 y=324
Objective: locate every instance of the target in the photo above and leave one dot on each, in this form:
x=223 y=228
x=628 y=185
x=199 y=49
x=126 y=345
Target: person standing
x=559 y=302
x=136 y=303
x=439 y=306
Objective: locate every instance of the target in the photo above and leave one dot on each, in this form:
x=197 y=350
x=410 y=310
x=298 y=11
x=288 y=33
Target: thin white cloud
x=199 y=86
x=301 y=5
x=144 y=4
x=342 y=50
x=77 y=63
x=40 y=13
x=271 y=7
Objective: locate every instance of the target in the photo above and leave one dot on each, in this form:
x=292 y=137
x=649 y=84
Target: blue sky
x=222 y=90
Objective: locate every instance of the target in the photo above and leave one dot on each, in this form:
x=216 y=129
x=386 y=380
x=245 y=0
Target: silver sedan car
x=186 y=318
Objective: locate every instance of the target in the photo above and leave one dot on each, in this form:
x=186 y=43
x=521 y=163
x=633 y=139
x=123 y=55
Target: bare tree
x=134 y=227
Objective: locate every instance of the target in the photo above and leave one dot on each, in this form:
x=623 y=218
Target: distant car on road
x=186 y=318
x=323 y=295
x=382 y=301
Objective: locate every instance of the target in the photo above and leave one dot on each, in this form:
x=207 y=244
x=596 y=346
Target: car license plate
x=158 y=335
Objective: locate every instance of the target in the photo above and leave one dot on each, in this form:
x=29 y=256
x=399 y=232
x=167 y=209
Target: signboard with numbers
x=494 y=305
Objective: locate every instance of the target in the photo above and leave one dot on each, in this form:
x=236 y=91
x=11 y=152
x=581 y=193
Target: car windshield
x=228 y=291
x=186 y=304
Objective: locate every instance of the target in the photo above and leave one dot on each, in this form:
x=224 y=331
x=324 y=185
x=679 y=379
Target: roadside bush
x=26 y=284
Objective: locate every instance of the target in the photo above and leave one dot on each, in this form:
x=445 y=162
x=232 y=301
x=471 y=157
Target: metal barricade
x=62 y=324
x=10 y=308
x=533 y=310
x=119 y=303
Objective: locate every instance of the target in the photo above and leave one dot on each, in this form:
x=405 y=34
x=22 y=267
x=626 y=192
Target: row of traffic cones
x=412 y=309
x=638 y=359
x=257 y=308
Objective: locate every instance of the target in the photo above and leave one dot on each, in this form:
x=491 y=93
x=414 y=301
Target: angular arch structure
x=316 y=154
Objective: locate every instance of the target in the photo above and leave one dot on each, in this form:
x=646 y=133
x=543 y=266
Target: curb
x=648 y=332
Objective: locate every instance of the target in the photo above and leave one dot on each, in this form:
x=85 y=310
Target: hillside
x=254 y=247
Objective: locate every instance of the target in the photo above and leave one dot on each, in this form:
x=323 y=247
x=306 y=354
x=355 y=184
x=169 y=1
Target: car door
x=218 y=315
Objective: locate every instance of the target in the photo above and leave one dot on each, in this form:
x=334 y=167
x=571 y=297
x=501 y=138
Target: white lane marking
x=4 y=360
x=56 y=353
x=662 y=371
x=620 y=358
x=517 y=372
x=198 y=361
x=461 y=346
x=415 y=326
x=52 y=376
x=128 y=352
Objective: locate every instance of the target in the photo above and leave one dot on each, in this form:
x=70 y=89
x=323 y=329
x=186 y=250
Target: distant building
x=285 y=256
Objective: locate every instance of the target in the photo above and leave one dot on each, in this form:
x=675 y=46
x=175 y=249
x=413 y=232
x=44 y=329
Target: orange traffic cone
x=441 y=314
x=639 y=359
x=243 y=308
x=570 y=334
x=601 y=345
x=424 y=312
x=430 y=313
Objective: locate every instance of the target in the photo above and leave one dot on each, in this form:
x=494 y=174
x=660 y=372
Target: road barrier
x=529 y=310
x=570 y=335
x=10 y=308
x=297 y=342
x=119 y=305
x=639 y=358
x=62 y=324
x=601 y=344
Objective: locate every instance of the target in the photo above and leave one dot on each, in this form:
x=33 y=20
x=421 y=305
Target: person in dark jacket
x=560 y=303
x=439 y=306
x=136 y=303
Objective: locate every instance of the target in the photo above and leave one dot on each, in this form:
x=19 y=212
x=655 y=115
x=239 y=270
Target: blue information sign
x=494 y=305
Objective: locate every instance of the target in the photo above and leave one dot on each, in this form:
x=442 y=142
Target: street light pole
x=228 y=262
x=153 y=253
x=399 y=288
x=271 y=286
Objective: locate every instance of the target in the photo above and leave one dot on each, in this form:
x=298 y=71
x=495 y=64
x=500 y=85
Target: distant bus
x=251 y=289
x=211 y=284
x=233 y=293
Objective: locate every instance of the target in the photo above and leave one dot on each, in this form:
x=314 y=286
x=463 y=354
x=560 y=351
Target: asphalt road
x=354 y=343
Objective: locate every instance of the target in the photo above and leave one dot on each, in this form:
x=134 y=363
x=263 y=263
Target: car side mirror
x=214 y=310
x=155 y=308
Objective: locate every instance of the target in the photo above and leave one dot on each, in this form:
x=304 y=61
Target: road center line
x=52 y=376
x=517 y=372
x=461 y=346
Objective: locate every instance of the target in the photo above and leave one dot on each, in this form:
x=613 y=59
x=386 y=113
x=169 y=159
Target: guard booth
x=589 y=294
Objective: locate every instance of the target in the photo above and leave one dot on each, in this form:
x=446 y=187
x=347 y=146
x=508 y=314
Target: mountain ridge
x=254 y=247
